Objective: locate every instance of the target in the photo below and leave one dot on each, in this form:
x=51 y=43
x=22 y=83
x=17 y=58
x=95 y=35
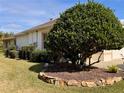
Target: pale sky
x=19 y=15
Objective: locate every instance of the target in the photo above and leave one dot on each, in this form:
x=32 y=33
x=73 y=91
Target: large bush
x=85 y=29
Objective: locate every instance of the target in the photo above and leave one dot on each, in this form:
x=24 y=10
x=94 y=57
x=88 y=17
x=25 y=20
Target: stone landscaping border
x=89 y=83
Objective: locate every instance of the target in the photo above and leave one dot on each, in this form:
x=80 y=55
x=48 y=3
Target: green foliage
x=28 y=48
x=85 y=29
x=112 y=69
x=5 y=34
x=25 y=52
x=1 y=46
x=12 y=47
x=11 y=51
x=6 y=53
x=13 y=54
x=39 y=56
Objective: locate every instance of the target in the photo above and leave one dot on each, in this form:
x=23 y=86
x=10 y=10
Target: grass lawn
x=18 y=76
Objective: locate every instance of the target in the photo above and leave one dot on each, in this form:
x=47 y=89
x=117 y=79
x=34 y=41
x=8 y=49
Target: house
x=34 y=36
x=8 y=41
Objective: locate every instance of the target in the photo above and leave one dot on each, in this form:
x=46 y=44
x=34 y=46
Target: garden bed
x=93 y=74
x=88 y=78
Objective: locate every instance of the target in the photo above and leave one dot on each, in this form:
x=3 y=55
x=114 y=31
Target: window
x=44 y=37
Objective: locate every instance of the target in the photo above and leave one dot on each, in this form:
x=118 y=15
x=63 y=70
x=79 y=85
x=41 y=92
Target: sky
x=19 y=15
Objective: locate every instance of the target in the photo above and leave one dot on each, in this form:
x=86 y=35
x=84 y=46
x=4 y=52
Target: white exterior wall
x=21 y=41
x=39 y=43
x=33 y=37
x=96 y=56
x=113 y=54
x=30 y=38
x=116 y=54
x=41 y=38
x=107 y=55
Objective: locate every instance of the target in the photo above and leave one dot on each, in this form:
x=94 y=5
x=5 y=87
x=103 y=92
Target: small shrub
x=1 y=46
x=13 y=54
x=39 y=56
x=26 y=51
x=6 y=53
x=44 y=56
x=28 y=54
x=20 y=54
x=12 y=47
x=112 y=69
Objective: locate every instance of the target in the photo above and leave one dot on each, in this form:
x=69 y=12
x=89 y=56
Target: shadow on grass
x=42 y=67
x=37 y=68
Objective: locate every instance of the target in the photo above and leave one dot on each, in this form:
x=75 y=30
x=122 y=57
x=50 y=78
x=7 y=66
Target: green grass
x=1 y=51
x=19 y=76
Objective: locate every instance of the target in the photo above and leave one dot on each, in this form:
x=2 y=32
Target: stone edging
x=60 y=82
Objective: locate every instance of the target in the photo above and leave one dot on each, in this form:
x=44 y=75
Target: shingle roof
x=8 y=38
x=48 y=24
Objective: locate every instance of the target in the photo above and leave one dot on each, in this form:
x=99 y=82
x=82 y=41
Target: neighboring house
x=8 y=41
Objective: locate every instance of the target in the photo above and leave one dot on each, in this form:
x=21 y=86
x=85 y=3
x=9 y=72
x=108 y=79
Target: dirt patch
x=69 y=73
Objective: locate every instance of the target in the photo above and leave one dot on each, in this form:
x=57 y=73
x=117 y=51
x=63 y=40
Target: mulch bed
x=68 y=73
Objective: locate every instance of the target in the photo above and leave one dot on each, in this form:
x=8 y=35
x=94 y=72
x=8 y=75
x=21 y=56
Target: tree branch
x=97 y=61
